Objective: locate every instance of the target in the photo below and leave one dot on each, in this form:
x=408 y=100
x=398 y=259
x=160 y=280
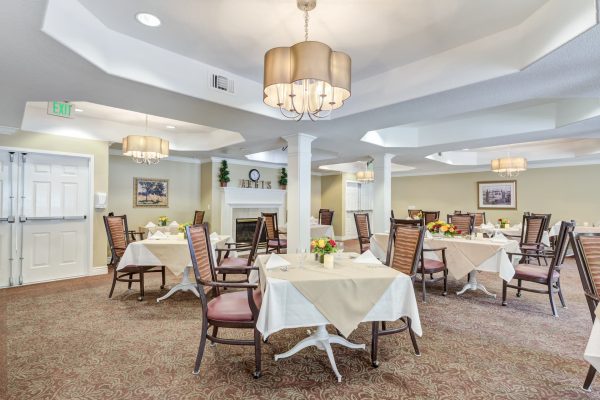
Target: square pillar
x=382 y=192
x=298 y=191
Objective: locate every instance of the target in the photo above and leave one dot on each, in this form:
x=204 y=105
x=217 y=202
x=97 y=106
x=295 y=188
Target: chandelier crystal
x=307 y=78
x=145 y=149
x=509 y=167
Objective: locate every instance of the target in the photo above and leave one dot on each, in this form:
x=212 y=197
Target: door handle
x=64 y=218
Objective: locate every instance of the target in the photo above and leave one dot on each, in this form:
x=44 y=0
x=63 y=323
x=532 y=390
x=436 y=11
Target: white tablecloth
x=512 y=232
x=592 y=350
x=283 y=306
x=175 y=258
x=578 y=229
x=316 y=231
x=498 y=262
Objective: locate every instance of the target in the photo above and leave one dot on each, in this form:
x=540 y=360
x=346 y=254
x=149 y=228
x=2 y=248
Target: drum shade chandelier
x=145 y=149
x=308 y=78
x=368 y=175
x=509 y=167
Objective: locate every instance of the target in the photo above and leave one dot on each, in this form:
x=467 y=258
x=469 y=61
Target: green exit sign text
x=60 y=109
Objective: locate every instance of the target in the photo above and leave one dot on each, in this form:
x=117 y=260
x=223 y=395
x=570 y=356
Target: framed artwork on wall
x=150 y=192
x=497 y=195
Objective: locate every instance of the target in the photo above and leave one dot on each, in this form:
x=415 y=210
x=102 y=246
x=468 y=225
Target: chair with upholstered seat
x=363 y=229
x=548 y=276
x=430 y=216
x=532 y=232
x=326 y=217
x=274 y=242
x=586 y=249
x=463 y=222
x=403 y=254
x=116 y=230
x=234 y=309
x=227 y=263
x=198 y=217
x=427 y=266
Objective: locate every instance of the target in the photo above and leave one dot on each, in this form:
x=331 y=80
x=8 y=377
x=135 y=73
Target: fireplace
x=244 y=230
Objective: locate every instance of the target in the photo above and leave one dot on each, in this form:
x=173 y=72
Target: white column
x=298 y=191
x=382 y=192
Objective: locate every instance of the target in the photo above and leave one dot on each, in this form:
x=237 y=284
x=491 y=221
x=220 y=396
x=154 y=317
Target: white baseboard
x=100 y=270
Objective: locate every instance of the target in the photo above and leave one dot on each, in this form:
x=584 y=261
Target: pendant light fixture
x=145 y=149
x=509 y=167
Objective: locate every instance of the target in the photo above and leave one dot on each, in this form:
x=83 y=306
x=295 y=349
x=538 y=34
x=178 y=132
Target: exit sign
x=60 y=109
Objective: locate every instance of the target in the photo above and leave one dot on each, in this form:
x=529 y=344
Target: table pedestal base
x=474 y=285
x=323 y=340
x=184 y=286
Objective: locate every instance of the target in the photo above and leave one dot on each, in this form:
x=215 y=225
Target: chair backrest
x=463 y=222
x=561 y=245
x=323 y=209
x=404 y=248
x=533 y=229
x=198 y=217
x=116 y=230
x=392 y=213
x=548 y=217
x=326 y=217
x=407 y=222
x=271 y=225
x=458 y=212
x=412 y=213
x=586 y=247
x=430 y=216
x=479 y=218
x=363 y=226
x=201 y=255
x=260 y=225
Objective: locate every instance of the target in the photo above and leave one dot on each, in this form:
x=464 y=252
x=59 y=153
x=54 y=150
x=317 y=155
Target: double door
x=359 y=199
x=44 y=227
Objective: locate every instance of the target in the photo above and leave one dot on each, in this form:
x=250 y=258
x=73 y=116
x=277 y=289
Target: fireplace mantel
x=249 y=198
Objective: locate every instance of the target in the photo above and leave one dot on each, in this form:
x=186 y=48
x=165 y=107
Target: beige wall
x=315 y=195
x=184 y=190
x=565 y=192
x=98 y=150
x=332 y=197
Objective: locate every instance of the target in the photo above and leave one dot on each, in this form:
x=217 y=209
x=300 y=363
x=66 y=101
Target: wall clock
x=254 y=175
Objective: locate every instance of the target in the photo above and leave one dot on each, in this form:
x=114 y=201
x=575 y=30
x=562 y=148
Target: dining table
x=592 y=350
x=306 y=294
x=464 y=256
x=511 y=232
x=173 y=252
x=316 y=230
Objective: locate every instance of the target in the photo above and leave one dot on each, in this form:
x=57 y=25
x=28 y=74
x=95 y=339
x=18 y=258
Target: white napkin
x=499 y=238
x=428 y=235
x=487 y=226
x=158 y=235
x=214 y=236
x=367 y=258
x=276 y=261
x=313 y=220
x=174 y=224
x=517 y=226
x=150 y=225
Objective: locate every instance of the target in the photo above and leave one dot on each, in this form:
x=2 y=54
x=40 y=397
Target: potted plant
x=283 y=179
x=224 y=174
x=323 y=246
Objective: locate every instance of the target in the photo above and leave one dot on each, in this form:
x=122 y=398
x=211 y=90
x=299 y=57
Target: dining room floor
x=67 y=340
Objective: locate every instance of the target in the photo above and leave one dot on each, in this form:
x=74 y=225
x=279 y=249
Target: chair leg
x=112 y=288
x=374 y=340
x=141 y=297
x=589 y=378
x=445 y=283
x=383 y=326
x=203 y=332
x=554 y=313
x=423 y=286
x=257 y=354
x=412 y=337
x=214 y=333
x=130 y=283
x=504 y=283
x=162 y=273
x=560 y=294
x=519 y=289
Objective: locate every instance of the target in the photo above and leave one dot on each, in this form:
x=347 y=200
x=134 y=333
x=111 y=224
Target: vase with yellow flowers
x=442 y=228
x=323 y=245
x=162 y=221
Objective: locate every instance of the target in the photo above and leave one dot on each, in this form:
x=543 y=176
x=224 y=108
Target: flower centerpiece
x=503 y=222
x=443 y=228
x=162 y=221
x=322 y=246
x=182 y=229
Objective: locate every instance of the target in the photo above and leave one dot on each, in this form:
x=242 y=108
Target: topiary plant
x=283 y=178
x=224 y=173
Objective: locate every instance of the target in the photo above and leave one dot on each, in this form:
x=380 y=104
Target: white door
x=359 y=199
x=7 y=229
x=53 y=217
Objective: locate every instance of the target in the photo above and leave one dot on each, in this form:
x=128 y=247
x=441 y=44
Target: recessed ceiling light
x=465 y=149
x=148 y=19
x=170 y=127
x=78 y=110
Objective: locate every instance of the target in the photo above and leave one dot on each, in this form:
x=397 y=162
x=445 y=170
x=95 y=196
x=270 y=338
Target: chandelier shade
x=145 y=149
x=365 y=176
x=509 y=166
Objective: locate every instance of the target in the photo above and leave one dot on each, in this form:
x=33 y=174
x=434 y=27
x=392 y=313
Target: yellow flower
x=444 y=228
x=451 y=230
x=321 y=243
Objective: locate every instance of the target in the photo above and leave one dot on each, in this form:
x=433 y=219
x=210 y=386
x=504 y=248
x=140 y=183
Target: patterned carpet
x=66 y=340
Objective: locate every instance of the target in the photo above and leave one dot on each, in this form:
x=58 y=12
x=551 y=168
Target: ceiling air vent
x=221 y=83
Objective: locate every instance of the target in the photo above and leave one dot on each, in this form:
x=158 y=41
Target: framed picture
x=499 y=195
x=150 y=192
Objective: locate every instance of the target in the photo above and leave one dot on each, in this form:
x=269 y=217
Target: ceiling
x=504 y=101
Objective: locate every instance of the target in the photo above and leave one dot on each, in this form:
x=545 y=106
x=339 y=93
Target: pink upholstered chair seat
x=233 y=262
x=282 y=242
x=432 y=266
x=527 y=272
x=233 y=306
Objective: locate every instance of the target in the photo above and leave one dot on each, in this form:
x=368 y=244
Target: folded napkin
x=367 y=258
x=487 y=226
x=150 y=225
x=158 y=235
x=174 y=224
x=499 y=238
x=276 y=261
x=428 y=235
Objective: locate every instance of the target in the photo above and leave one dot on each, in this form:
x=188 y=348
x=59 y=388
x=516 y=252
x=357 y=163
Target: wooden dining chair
x=234 y=309
x=586 y=249
x=363 y=229
x=116 y=231
x=403 y=254
x=273 y=241
x=479 y=218
x=227 y=263
x=427 y=267
x=532 y=232
x=463 y=222
x=198 y=217
x=412 y=213
x=430 y=216
x=548 y=276
x=326 y=217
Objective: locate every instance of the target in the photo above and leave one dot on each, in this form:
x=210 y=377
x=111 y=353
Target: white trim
x=189 y=160
x=99 y=270
x=246 y=162
x=8 y=130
